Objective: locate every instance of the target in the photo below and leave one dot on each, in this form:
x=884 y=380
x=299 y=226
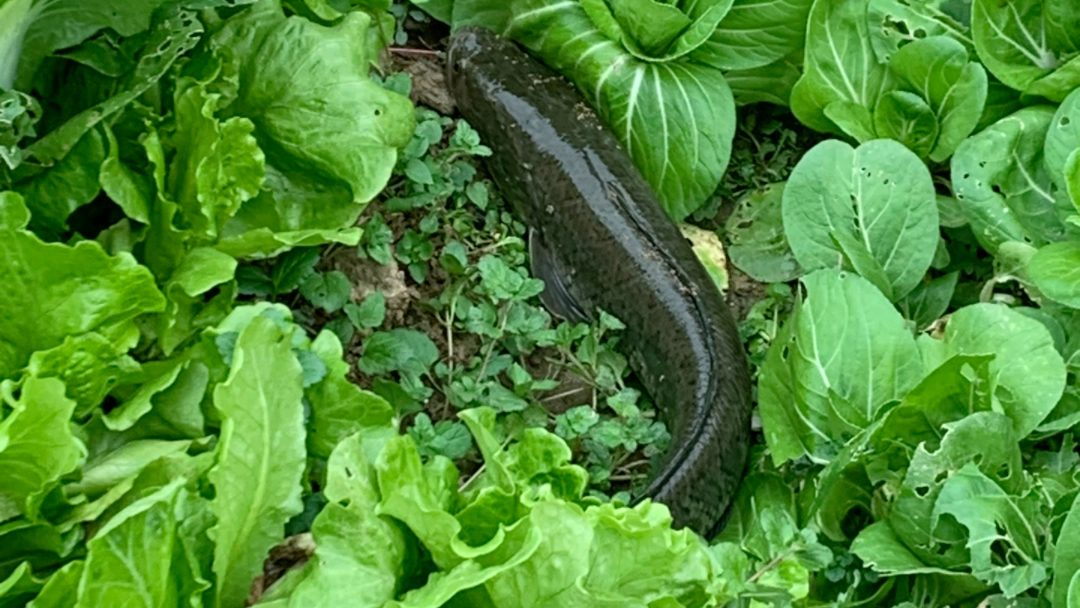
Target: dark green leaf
x=329 y=291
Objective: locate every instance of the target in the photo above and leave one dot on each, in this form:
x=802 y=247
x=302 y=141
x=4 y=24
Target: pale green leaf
x=58 y=291
x=840 y=358
x=1067 y=557
x=1055 y=269
x=992 y=516
x=755 y=232
x=360 y=555
x=840 y=65
x=261 y=456
x=129 y=560
x=339 y=408
x=881 y=194
x=1003 y=185
x=37 y=447
x=1027 y=372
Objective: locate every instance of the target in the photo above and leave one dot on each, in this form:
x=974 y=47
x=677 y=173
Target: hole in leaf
x=919 y=33
x=109 y=404
x=977 y=459
x=942 y=476
x=1003 y=471
x=943 y=548
x=996 y=188
x=1065 y=120
x=922 y=491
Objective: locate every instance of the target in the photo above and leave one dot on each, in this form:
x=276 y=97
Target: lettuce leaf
x=260 y=458
x=55 y=291
x=37 y=447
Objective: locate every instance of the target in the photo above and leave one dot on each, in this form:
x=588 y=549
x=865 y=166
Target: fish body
x=600 y=239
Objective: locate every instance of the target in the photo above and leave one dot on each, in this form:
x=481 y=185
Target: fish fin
x=555 y=297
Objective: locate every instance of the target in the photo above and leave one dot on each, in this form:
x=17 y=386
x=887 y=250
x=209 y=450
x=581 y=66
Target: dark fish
x=599 y=238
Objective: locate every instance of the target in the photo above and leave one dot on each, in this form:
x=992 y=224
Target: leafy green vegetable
x=37 y=446
x=979 y=504
x=755 y=230
x=1027 y=372
x=755 y=34
x=771 y=84
x=842 y=78
x=1054 y=271
x=69 y=291
x=825 y=381
x=954 y=90
x=896 y=23
x=260 y=457
x=129 y=561
x=1003 y=185
x=170 y=173
x=1067 y=558
x=1030 y=45
x=873 y=207
x=360 y=556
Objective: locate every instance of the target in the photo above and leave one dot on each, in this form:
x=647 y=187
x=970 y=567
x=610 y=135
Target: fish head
x=468 y=53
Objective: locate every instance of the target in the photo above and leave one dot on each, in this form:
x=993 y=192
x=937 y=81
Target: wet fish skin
x=614 y=247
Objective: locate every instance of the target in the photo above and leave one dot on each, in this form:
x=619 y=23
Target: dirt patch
x=572 y=391
x=743 y=292
x=368 y=276
x=428 y=77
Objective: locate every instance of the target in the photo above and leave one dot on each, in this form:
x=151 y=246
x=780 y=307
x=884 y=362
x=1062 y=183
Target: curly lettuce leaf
x=218 y=164
x=360 y=556
x=57 y=291
x=339 y=408
x=37 y=447
x=543 y=548
x=129 y=561
x=306 y=88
